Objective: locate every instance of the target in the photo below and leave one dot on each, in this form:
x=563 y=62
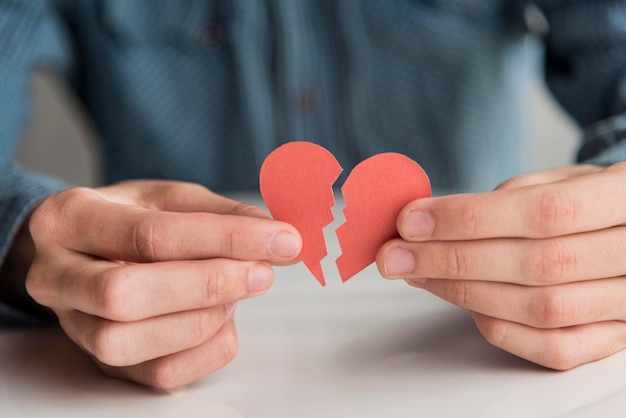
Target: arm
x=29 y=39
x=144 y=276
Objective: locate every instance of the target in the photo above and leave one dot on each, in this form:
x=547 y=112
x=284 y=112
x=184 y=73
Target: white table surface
x=366 y=348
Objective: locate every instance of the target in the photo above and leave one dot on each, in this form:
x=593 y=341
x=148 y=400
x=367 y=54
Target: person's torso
x=204 y=90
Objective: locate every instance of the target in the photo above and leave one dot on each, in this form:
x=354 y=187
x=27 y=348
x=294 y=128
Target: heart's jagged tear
x=296 y=184
x=374 y=194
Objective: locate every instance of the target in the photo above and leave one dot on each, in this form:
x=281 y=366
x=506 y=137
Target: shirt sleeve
x=585 y=69
x=29 y=40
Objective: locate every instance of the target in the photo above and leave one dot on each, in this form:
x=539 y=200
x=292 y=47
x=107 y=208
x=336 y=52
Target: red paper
x=296 y=183
x=374 y=194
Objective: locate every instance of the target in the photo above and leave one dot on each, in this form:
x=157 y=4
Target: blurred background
x=61 y=141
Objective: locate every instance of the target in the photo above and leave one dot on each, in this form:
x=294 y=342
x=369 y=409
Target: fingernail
x=230 y=310
x=398 y=261
x=260 y=278
x=418 y=224
x=283 y=245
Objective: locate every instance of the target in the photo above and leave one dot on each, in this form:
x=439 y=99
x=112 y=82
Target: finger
x=539 y=307
x=586 y=256
x=179 y=369
x=176 y=196
x=129 y=343
x=121 y=232
x=550 y=176
x=562 y=207
x=561 y=348
x=131 y=292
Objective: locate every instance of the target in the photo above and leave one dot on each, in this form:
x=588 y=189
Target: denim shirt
x=203 y=90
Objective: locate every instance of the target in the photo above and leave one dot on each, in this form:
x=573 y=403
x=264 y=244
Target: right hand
x=144 y=275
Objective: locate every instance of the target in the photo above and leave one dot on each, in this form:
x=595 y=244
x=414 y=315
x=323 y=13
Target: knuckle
x=36 y=282
x=244 y=209
x=230 y=344
x=452 y=262
x=105 y=343
x=471 y=221
x=165 y=374
x=113 y=295
x=45 y=220
x=162 y=374
x=149 y=240
x=495 y=332
x=217 y=287
x=557 y=210
x=550 y=308
x=558 y=354
x=181 y=189
x=202 y=328
x=461 y=294
x=184 y=194
x=42 y=221
x=550 y=261
x=228 y=243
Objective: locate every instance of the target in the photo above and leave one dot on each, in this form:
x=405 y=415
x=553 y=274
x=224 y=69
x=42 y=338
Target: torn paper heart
x=296 y=183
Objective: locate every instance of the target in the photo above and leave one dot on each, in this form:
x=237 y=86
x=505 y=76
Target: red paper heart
x=296 y=183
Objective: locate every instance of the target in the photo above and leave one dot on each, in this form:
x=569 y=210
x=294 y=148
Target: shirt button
x=307 y=101
x=212 y=35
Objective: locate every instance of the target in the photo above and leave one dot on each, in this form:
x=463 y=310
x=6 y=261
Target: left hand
x=540 y=262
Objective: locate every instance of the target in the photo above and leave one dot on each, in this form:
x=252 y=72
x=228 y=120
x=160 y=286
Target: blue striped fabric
x=203 y=90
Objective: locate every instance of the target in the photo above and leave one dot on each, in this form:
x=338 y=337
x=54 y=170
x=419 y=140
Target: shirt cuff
x=604 y=142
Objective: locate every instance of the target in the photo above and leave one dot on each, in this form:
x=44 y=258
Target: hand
x=144 y=275
x=539 y=262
